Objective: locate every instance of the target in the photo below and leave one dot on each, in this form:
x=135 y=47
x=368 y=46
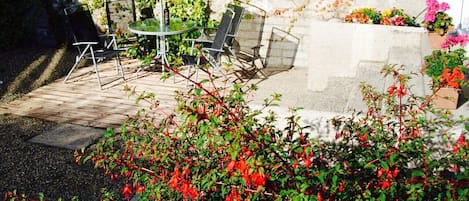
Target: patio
x=81 y=102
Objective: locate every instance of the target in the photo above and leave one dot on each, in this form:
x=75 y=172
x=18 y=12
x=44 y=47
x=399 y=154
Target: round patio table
x=152 y=27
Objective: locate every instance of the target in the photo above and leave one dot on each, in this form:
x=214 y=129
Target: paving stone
x=69 y=136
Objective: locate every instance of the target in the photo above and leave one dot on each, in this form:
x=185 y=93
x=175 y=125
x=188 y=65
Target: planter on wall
x=436 y=39
x=446 y=98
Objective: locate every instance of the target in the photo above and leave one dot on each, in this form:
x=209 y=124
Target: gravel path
x=33 y=168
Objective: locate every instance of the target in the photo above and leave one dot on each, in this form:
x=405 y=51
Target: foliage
x=435 y=18
x=445 y=66
x=394 y=17
x=214 y=147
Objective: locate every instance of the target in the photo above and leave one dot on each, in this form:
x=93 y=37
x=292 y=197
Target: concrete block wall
x=302 y=26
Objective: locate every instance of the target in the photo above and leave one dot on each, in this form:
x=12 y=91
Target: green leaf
x=334 y=180
x=304 y=186
x=384 y=165
x=392 y=158
x=382 y=196
x=109 y=133
x=370 y=166
x=198 y=91
x=417 y=173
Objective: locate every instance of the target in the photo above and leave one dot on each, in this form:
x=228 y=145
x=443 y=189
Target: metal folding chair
x=88 y=42
x=211 y=55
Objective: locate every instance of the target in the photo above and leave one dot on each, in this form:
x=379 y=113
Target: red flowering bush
x=214 y=147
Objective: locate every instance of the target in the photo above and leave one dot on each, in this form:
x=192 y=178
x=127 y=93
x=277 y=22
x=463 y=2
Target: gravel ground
x=33 y=168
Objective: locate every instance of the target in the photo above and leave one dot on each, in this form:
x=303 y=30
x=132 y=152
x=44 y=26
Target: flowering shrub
x=435 y=18
x=327 y=9
x=214 y=147
x=447 y=67
x=394 y=17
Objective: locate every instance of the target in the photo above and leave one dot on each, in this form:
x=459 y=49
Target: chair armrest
x=257 y=47
x=85 y=43
x=212 y=49
x=196 y=40
x=106 y=35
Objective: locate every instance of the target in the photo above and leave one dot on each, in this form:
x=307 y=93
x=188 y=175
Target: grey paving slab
x=69 y=136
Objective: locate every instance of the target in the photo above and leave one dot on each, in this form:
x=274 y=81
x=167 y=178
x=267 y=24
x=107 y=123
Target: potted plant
x=437 y=22
x=397 y=17
x=393 y=17
x=364 y=16
x=447 y=67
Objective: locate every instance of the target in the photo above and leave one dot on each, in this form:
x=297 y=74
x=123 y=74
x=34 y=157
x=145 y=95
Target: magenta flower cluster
x=433 y=7
x=452 y=41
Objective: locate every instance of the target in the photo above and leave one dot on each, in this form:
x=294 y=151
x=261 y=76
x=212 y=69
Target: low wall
x=337 y=49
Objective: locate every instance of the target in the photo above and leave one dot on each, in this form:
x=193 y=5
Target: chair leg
x=77 y=60
x=96 y=69
x=188 y=74
x=119 y=67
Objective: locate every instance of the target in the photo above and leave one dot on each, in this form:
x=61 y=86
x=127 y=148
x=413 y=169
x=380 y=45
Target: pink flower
x=429 y=17
x=444 y=6
x=452 y=41
x=433 y=7
x=398 y=21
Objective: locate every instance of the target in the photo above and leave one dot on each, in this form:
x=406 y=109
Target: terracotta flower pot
x=436 y=39
x=446 y=98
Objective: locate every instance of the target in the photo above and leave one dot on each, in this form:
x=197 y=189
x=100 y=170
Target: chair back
x=238 y=14
x=251 y=28
x=222 y=32
x=119 y=14
x=81 y=22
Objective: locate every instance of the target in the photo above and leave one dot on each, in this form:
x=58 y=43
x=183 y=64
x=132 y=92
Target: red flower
x=380 y=172
x=392 y=89
x=241 y=165
x=140 y=189
x=127 y=191
x=295 y=165
x=188 y=191
x=231 y=166
x=455 y=148
x=395 y=172
x=258 y=179
x=452 y=78
x=319 y=196
x=341 y=187
x=174 y=181
x=385 y=184
x=307 y=162
x=398 y=21
x=402 y=91
x=233 y=196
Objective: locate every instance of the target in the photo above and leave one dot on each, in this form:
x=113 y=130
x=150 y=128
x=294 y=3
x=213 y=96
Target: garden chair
x=88 y=42
x=233 y=30
x=246 y=46
x=211 y=55
x=119 y=14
